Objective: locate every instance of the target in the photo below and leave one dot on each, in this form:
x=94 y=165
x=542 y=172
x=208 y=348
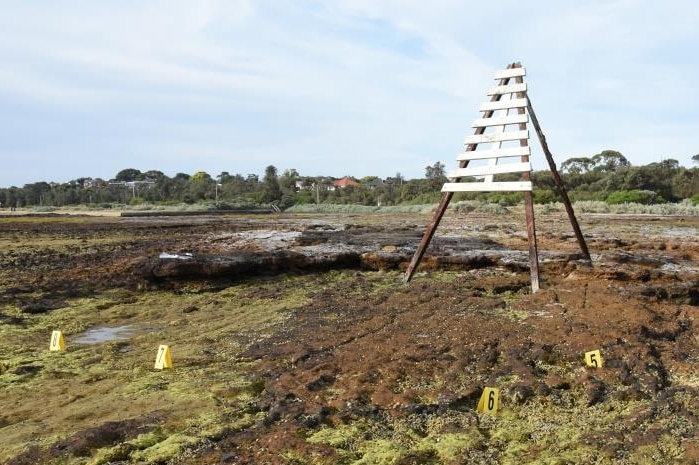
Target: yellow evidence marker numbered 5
x=57 y=341
x=490 y=401
x=164 y=358
x=593 y=359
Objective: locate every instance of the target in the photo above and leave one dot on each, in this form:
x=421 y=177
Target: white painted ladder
x=509 y=108
x=504 y=121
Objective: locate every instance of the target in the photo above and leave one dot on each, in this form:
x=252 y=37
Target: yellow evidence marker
x=163 y=359
x=593 y=359
x=490 y=401
x=57 y=341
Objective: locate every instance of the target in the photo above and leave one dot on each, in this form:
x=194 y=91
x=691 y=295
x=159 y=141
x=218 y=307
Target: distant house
x=88 y=183
x=373 y=183
x=344 y=182
x=311 y=184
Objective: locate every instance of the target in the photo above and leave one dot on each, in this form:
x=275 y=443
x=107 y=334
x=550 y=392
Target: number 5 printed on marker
x=593 y=359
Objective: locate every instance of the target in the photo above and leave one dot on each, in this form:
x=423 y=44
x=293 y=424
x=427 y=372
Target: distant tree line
x=607 y=176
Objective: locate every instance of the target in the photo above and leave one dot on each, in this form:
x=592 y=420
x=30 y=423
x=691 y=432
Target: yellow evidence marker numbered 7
x=164 y=358
x=490 y=401
x=57 y=341
x=593 y=359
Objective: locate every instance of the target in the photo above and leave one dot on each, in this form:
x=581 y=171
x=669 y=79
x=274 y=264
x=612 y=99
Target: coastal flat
x=294 y=340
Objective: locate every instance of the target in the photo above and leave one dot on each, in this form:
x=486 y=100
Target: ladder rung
x=510 y=73
x=495 y=153
x=497 y=137
x=501 y=121
x=510 y=186
x=494 y=169
x=504 y=104
x=510 y=89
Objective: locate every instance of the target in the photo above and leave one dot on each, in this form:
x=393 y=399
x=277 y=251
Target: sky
x=332 y=87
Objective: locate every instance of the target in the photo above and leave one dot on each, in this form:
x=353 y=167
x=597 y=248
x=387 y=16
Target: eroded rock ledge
x=316 y=249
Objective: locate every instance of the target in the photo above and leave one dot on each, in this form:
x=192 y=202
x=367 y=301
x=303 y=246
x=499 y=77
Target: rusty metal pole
x=446 y=198
x=529 y=206
x=559 y=182
x=427 y=237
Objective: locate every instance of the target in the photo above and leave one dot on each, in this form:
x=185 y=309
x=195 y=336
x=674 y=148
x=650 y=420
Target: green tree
x=386 y=194
x=225 y=177
x=151 y=175
x=200 y=176
x=578 y=165
x=199 y=187
x=435 y=171
x=436 y=176
x=609 y=161
x=127 y=175
x=36 y=193
x=235 y=185
x=164 y=189
x=287 y=183
x=271 y=191
x=11 y=197
x=685 y=183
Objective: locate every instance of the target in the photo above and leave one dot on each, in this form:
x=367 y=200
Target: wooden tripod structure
x=507 y=96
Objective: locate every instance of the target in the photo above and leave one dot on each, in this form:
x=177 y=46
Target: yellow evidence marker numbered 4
x=57 y=341
x=593 y=359
x=164 y=358
x=490 y=401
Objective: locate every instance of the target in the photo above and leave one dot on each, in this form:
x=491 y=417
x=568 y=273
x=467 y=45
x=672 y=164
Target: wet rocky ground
x=295 y=341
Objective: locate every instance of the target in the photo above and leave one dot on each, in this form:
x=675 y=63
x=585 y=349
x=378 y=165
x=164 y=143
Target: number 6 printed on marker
x=489 y=401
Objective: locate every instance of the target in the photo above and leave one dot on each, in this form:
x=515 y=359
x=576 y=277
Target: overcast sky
x=336 y=87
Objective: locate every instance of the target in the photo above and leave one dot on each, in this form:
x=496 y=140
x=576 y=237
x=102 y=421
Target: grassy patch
x=207 y=393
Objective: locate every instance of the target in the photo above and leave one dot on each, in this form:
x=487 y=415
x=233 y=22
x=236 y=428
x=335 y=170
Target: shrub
x=633 y=196
x=543 y=196
x=552 y=207
x=44 y=209
x=466 y=206
x=304 y=197
x=492 y=208
x=506 y=199
x=359 y=209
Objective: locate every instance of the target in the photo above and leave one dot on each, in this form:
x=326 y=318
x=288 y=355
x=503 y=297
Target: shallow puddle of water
x=99 y=335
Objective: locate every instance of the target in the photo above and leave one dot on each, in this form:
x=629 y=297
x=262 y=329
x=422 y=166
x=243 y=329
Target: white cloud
x=365 y=86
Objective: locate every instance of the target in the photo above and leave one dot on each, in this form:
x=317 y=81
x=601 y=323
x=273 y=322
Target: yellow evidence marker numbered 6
x=593 y=359
x=490 y=401
x=164 y=358
x=57 y=341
